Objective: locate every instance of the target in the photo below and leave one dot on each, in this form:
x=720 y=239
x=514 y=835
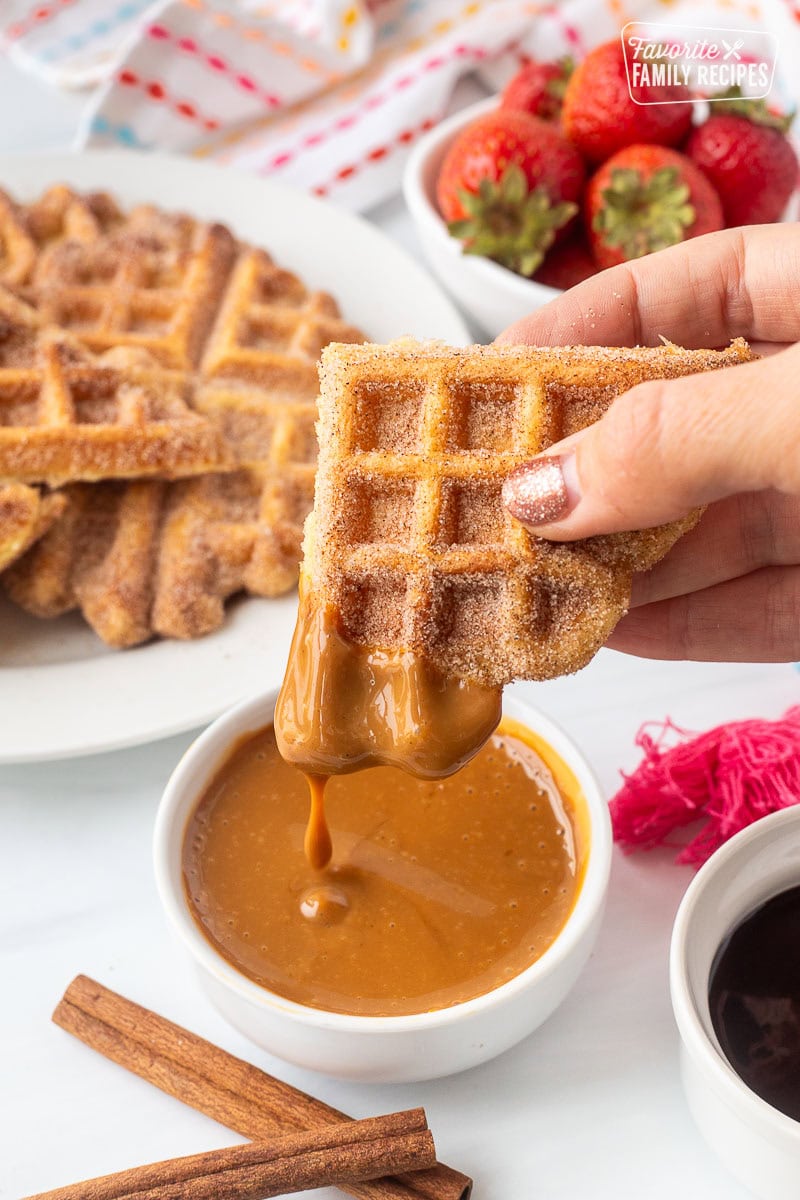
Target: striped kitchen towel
x=326 y=94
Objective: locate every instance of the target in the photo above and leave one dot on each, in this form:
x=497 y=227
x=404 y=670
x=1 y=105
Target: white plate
x=62 y=693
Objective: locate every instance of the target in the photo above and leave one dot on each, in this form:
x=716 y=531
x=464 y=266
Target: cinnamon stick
x=356 y=1150
x=228 y=1089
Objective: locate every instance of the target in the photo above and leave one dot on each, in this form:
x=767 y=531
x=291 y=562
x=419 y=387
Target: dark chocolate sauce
x=754 y=995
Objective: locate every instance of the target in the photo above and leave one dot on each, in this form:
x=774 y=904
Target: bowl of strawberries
x=522 y=196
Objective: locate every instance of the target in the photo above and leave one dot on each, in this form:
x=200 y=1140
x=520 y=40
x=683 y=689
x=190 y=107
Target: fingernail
x=542 y=490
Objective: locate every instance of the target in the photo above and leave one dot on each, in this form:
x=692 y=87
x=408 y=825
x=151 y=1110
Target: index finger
x=701 y=293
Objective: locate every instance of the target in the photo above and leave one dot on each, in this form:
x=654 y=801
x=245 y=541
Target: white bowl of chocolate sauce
x=735 y=983
x=517 y=872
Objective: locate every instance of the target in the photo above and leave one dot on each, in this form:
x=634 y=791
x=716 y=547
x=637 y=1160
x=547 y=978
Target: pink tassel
x=728 y=777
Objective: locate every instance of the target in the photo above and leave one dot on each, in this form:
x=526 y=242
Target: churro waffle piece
x=271 y=329
x=59 y=214
x=412 y=547
x=67 y=415
x=259 y=384
x=226 y=534
x=146 y=279
x=99 y=557
x=148 y=558
x=215 y=535
x=25 y=515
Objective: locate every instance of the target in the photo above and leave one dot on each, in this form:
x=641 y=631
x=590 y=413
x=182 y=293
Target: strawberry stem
x=510 y=223
x=640 y=215
x=557 y=86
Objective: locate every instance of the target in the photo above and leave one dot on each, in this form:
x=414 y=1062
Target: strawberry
x=538 y=89
x=507 y=185
x=600 y=117
x=567 y=263
x=743 y=150
x=646 y=198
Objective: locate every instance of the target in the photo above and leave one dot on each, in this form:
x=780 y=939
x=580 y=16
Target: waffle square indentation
x=249 y=429
x=19 y=403
x=379 y=511
x=471 y=514
x=389 y=421
x=275 y=286
x=268 y=331
x=470 y=608
x=484 y=416
x=578 y=406
x=373 y=610
x=78 y=312
x=96 y=401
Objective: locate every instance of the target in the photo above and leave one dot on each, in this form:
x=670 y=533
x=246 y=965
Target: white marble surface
x=590 y=1105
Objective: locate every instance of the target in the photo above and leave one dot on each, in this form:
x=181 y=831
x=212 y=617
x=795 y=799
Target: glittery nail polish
x=536 y=492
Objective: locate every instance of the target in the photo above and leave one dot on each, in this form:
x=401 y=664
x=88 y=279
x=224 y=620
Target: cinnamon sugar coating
x=25 y=515
x=412 y=546
x=67 y=414
x=180 y=301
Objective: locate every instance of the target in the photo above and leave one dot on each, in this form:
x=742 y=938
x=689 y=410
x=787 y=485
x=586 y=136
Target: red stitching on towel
x=370 y=103
x=376 y=155
x=156 y=91
x=36 y=17
x=190 y=46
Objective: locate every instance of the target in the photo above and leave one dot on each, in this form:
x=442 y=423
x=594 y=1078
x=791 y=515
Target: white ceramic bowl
x=397 y=1049
x=492 y=295
x=758 y=1144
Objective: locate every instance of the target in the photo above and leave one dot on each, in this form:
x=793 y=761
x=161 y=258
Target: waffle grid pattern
x=259 y=385
x=412 y=544
x=25 y=515
x=149 y=280
x=246 y=362
x=65 y=415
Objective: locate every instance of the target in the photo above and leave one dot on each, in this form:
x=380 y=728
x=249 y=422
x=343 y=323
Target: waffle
x=212 y=536
x=145 y=558
x=66 y=414
x=98 y=557
x=25 y=515
x=259 y=383
x=411 y=546
x=148 y=280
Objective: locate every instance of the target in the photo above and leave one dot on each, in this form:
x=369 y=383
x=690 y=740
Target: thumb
x=663 y=448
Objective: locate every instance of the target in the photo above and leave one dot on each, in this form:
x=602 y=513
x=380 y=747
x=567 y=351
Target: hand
x=730 y=589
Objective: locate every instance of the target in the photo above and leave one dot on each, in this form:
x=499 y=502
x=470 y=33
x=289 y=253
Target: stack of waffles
x=158 y=387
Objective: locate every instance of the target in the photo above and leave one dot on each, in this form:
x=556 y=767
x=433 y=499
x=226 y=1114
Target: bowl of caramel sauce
x=451 y=918
x=735 y=984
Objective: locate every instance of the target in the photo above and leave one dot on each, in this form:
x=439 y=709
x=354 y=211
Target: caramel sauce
x=317 y=841
x=438 y=890
x=344 y=707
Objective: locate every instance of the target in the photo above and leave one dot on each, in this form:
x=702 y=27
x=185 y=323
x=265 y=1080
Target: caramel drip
x=317 y=843
x=344 y=707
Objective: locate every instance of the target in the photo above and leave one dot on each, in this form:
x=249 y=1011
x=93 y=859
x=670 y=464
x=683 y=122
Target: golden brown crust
x=66 y=414
x=413 y=547
x=26 y=514
x=245 y=361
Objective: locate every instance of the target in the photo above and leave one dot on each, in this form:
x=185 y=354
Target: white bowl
x=492 y=295
x=758 y=1144
x=397 y=1049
